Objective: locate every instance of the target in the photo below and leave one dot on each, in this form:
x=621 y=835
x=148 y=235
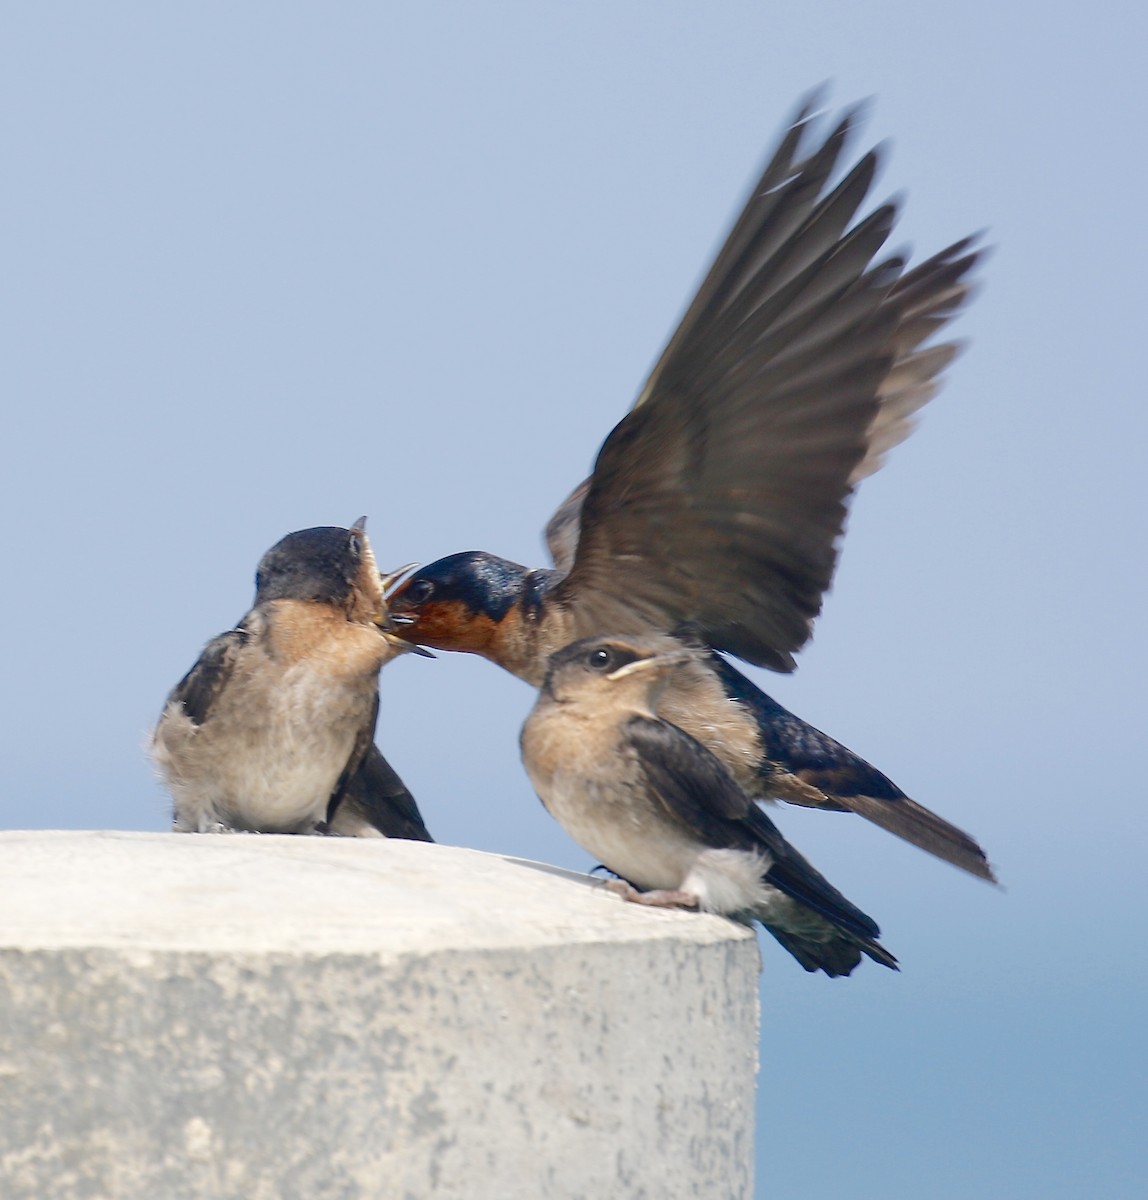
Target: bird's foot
x=204 y=826
x=660 y=898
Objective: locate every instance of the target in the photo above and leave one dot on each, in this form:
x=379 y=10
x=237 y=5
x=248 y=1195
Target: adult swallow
x=665 y=814
x=271 y=731
x=716 y=505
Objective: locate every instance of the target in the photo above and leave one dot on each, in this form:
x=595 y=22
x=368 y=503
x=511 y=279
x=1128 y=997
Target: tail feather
x=837 y=956
x=802 y=765
x=819 y=926
x=796 y=877
x=915 y=823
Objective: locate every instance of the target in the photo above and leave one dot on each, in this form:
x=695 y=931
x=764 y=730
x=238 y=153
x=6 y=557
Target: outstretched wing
x=718 y=501
x=563 y=529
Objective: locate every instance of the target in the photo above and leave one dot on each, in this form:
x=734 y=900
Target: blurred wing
x=197 y=691
x=719 y=499
x=563 y=529
x=925 y=300
x=375 y=794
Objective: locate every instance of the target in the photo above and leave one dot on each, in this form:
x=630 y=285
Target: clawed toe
x=666 y=899
x=621 y=888
x=656 y=899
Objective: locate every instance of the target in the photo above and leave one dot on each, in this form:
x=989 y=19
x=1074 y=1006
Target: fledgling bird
x=271 y=731
x=716 y=505
x=663 y=813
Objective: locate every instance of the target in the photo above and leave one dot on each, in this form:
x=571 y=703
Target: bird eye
x=599 y=660
x=419 y=591
x=355 y=544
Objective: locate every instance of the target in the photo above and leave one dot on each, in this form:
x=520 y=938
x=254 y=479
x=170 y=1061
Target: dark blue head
x=458 y=602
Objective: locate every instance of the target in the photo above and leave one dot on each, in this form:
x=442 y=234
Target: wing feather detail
x=719 y=500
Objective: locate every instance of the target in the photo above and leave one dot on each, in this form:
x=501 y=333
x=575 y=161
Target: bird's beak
x=390 y=581
x=390 y=578
x=400 y=646
x=403 y=647
x=657 y=665
x=387 y=622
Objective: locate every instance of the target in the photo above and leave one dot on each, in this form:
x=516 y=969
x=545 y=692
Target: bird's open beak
x=387 y=621
x=390 y=578
x=657 y=665
x=386 y=625
x=405 y=647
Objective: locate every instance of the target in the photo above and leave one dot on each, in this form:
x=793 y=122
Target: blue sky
x=270 y=266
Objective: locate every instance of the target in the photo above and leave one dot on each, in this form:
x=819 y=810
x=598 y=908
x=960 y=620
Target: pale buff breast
x=595 y=793
x=280 y=733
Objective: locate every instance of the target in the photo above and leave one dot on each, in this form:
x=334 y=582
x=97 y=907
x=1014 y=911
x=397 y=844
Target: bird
x=271 y=731
x=664 y=814
x=716 y=505
x=377 y=803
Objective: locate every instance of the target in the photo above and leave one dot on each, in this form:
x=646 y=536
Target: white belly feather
x=268 y=757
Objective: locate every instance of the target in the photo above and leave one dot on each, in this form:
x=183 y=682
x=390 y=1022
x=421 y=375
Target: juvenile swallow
x=271 y=731
x=662 y=812
x=716 y=505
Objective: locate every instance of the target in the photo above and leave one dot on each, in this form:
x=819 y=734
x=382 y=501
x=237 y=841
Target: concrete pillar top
x=248 y=1017
x=267 y=893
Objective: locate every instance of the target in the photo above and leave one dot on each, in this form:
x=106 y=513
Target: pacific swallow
x=271 y=731
x=716 y=505
x=662 y=812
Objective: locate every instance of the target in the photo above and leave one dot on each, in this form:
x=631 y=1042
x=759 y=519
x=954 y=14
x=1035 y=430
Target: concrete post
x=289 y=1018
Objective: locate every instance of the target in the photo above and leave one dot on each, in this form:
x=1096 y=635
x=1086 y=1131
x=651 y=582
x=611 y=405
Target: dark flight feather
x=846 y=780
x=720 y=498
x=698 y=791
x=197 y=691
x=377 y=794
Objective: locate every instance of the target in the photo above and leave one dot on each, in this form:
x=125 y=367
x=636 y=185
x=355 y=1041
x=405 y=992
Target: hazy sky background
x=269 y=266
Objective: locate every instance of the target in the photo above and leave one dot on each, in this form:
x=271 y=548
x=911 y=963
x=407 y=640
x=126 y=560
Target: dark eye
x=418 y=591
x=599 y=660
x=355 y=545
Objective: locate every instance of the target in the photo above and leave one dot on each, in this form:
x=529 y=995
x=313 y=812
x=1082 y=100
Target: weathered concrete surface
x=278 y=1018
